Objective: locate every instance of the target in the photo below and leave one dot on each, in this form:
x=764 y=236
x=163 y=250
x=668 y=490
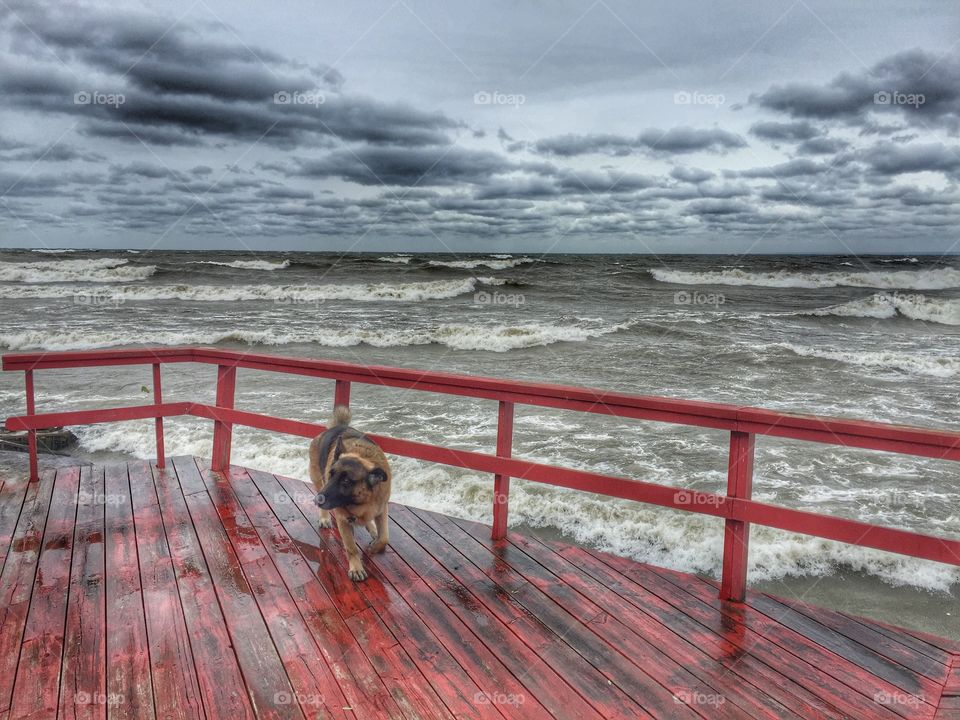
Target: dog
x=352 y=478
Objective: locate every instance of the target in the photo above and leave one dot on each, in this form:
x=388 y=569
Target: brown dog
x=352 y=479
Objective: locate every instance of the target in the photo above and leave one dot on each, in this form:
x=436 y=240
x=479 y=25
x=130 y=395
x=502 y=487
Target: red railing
x=736 y=507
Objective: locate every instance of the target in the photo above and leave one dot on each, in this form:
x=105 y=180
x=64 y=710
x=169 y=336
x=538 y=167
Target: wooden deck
x=128 y=591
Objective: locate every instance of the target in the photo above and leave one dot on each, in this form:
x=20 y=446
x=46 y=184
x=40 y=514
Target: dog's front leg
x=383 y=533
x=355 y=560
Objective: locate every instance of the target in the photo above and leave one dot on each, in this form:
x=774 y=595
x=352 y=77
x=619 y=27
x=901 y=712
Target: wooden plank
x=686 y=671
x=129 y=686
x=849 y=673
x=36 y=691
x=667 y=627
x=17 y=580
x=315 y=689
x=750 y=655
x=472 y=586
x=263 y=671
x=543 y=682
x=174 y=676
x=415 y=694
x=872 y=639
x=904 y=637
x=83 y=681
x=12 y=495
x=274 y=509
x=219 y=677
x=452 y=663
x=869 y=661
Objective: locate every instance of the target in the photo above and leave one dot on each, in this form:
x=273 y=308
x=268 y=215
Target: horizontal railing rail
x=736 y=507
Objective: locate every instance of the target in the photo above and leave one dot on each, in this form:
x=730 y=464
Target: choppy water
x=876 y=339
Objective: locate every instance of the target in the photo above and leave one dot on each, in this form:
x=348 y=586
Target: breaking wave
x=401 y=259
x=493 y=264
x=937 y=279
x=493 y=338
x=280 y=294
x=911 y=363
x=51 y=271
x=884 y=305
x=246 y=264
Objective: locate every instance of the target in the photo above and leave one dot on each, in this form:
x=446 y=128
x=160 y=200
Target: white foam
x=246 y=264
x=937 y=279
x=400 y=259
x=883 y=305
x=493 y=338
x=52 y=271
x=494 y=264
x=929 y=365
x=280 y=294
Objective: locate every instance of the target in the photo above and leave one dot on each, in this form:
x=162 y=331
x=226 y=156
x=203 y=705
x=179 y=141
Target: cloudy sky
x=806 y=126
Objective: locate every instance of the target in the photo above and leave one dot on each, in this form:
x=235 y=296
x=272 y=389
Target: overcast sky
x=601 y=126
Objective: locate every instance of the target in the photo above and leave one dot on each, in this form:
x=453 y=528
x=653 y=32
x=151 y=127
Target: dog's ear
x=375 y=477
x=337 y=449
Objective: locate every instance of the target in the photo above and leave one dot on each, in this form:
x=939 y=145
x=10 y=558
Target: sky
x=502 y=126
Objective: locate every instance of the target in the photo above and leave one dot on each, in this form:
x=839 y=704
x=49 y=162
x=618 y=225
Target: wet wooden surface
x=132 y=592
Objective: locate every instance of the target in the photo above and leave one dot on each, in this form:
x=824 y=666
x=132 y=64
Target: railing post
x=501 y=483
x=31 y=434
x=736 y=534
x=341 y=393
x=222 y=430
x=158 y=400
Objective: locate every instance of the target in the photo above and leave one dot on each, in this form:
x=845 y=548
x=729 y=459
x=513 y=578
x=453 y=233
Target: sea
x=875 y=338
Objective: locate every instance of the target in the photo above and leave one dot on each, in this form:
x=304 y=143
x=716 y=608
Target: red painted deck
x=128 y=591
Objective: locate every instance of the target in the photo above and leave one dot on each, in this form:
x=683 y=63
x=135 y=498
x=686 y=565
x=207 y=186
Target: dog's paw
x=325 y=523
x=357 y=575
x=377 y=547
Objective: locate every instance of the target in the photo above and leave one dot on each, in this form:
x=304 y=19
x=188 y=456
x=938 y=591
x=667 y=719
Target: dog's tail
x=341 y=416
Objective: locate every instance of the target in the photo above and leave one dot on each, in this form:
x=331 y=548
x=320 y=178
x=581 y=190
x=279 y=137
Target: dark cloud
x=690 y=174
x=141 y=78
x=916 y=87
x=675 y=141
x=892 y=159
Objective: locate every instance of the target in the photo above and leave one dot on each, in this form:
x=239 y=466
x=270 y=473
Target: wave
x=401 y=259
x=246 y=264
x=279 y=294
x=52 y=251
x=493 y=338
x=883 y=306
x=493 y=264
x=51 y=271
x=929 y=365
x=938 y=279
